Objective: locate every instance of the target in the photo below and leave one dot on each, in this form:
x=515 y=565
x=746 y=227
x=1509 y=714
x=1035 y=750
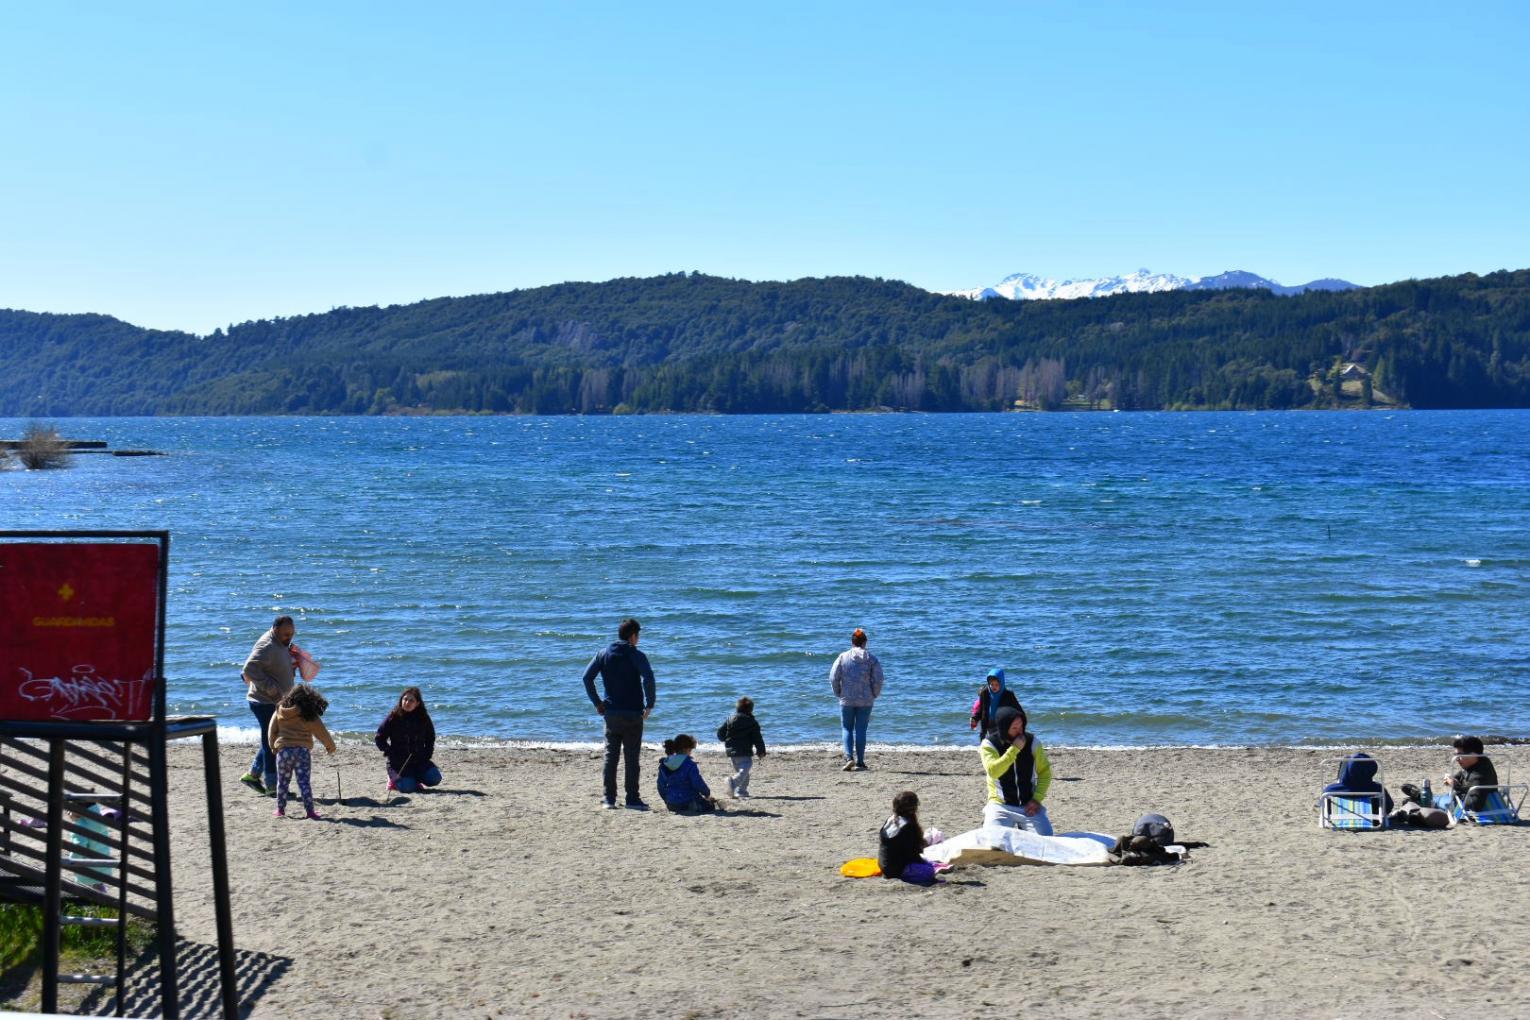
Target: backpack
x=1149 y=842
x=1158 y=830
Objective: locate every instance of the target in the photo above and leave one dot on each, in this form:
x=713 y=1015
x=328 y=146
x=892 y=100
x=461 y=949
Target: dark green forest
x=689 y=342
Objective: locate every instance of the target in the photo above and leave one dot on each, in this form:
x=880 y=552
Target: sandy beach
x=508 y=893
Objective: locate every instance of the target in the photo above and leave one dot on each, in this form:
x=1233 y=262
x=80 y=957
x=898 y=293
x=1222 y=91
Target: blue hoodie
x=1358 y=775
x=627 y=675
x=680 y=781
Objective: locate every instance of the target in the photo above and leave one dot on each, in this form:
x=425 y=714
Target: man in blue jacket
x=629 y=698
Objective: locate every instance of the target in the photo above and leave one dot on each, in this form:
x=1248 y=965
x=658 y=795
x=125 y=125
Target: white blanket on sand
x=995 y=845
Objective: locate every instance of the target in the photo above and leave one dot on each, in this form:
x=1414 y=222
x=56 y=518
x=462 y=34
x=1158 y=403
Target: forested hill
x=688 y=342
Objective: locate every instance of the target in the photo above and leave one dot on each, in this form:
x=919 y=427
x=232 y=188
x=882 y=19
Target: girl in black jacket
x=407 y=738
x=901 y=843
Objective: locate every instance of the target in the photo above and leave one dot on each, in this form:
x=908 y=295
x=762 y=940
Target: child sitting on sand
x=901 y=843
x=292 y=730
x=680 y=784
x=741 y=738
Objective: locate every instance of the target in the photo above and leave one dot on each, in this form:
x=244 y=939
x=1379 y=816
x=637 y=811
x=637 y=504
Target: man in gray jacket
x=269 y=674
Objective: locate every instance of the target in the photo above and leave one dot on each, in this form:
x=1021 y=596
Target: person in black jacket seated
x=629 y=698
x=1475 y=771
x=900 y=849
x=407 y=738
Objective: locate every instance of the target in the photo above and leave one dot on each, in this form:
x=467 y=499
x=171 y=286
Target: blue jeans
x=265 y=758
x=854 y=722
x=412 y=782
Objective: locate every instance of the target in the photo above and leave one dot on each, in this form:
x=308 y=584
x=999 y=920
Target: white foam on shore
x=250 y=735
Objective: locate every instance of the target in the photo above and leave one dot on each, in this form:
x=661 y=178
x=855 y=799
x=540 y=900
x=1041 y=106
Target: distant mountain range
x=690 y=342
x=1030 y=287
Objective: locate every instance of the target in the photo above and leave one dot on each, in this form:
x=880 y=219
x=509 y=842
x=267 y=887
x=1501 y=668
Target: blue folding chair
x=1353 y=810
x=1498 y=805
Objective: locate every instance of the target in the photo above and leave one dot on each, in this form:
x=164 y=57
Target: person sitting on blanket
x=1357 y=775
x=901 y=842
x=1475 y=770
x=1018 y=774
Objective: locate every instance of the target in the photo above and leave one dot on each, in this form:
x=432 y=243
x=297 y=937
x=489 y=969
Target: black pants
x=624 y=735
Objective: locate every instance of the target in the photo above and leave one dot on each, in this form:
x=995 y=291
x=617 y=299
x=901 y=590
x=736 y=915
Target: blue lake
x=1199 y=578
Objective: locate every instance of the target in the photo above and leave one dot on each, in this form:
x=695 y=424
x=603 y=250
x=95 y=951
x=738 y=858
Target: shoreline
x=515 y=896
x=241 y=736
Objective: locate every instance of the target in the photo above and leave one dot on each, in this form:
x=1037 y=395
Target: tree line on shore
x=690 y=342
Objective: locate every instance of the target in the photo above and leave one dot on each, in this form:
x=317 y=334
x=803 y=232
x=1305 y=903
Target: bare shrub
x=42 y=447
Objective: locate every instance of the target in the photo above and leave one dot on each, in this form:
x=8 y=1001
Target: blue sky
x=187 y=166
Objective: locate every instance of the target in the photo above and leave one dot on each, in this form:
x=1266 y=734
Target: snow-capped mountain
x=1030 y=287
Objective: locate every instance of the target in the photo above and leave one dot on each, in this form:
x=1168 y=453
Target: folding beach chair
x=1352 y=810
x=1501 y=805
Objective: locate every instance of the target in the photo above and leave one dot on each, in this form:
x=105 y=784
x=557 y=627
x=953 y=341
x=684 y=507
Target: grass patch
x=80 y=949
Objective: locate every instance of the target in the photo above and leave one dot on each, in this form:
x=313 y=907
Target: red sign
x=78 y=624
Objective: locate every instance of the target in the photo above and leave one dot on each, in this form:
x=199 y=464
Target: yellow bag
x=861 y=867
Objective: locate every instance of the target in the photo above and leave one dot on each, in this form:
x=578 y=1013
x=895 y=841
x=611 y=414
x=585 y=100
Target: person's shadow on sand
x=364 y=801
x=724 y=812
x=375 y=822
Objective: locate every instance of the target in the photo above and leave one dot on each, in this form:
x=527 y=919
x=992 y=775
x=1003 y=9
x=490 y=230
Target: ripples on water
x=1143 y=578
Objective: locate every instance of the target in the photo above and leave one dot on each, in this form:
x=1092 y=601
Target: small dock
x=85 y=446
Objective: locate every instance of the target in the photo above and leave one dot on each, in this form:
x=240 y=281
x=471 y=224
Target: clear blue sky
x=193 y=165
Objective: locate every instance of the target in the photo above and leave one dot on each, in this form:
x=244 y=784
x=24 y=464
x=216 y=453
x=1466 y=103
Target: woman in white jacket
x=857 y=680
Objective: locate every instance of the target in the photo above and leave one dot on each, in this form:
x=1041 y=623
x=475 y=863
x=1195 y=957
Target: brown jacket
x=290 y=729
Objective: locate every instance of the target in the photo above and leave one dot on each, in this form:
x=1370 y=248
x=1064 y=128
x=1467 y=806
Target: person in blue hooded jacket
x=629 y=697
x=992 y=696
x=1357 y=774
x=680 y=784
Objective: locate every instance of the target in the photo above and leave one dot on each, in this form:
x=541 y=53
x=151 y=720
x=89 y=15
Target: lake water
x=1200 y=578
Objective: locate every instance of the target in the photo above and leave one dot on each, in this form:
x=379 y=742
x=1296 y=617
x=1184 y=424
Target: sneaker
x=608 y=803
x=278 y=813
x=849 y=765
x=1412 y=793
x=251 y=780
x=314 y=815
x=742 y=796
x=860 y=766
x=636 y=804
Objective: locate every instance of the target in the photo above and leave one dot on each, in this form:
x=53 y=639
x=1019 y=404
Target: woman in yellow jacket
x=1018 y=774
